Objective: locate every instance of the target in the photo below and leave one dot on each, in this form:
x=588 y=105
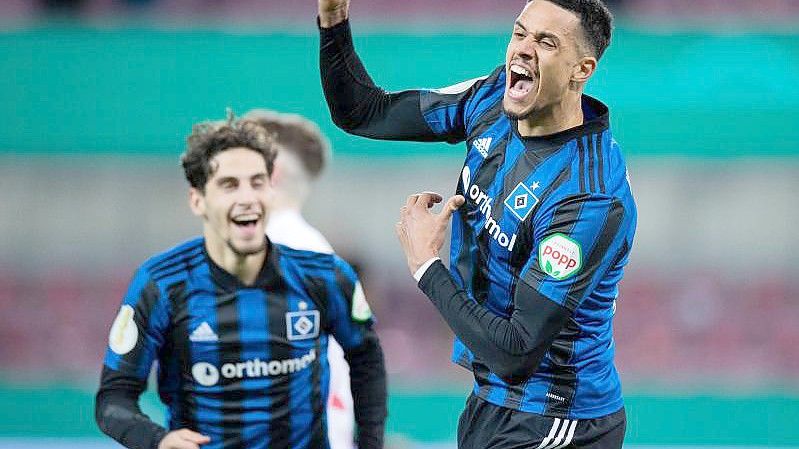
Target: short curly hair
x=213 y=137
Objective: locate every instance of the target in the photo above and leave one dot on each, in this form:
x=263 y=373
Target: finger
x=402 y=234
x=427 y=198
x=453 y=203
x=194 y=437
x=182 y=444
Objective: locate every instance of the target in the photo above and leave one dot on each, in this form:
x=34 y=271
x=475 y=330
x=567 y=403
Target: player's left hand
x=421 y=233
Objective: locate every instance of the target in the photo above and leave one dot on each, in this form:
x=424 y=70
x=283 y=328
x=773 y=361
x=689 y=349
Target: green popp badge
x=560 y=256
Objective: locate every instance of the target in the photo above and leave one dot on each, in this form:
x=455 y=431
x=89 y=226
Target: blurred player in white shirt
x=302 y=154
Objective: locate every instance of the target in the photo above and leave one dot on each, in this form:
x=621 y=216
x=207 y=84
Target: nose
x=247 y=195
x=525 y=49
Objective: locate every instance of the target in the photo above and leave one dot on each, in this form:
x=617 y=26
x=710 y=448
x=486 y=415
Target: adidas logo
x=483 y=145
x=203 y=333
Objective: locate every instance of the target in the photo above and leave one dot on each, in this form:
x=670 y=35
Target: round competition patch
x=360 y=308
x=124 y=332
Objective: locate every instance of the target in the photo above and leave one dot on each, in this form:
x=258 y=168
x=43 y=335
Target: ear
x=196 y=202
x=276 y=178
x=584 y=69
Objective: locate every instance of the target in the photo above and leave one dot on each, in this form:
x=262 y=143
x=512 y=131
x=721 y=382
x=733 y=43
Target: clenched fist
x=333 y=12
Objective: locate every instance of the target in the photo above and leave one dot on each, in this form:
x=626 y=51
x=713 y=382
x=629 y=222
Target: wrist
x=333 y=17
x=422 y=268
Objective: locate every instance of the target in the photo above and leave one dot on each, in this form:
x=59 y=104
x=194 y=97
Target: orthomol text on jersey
x=484 y=204
x=207 y=374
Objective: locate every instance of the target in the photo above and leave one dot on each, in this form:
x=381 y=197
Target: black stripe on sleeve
x=611 y=227
x=347 y=288
x=176 y=258
x=591 y=174
x=177 y=352
x=581 y=168
x=143 y=310
x=600 y=157
x=563 y=221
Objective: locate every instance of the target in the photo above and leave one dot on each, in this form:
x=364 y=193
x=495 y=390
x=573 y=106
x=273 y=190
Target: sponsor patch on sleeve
x=560 y=256
x=124 y=333
x=360 y=308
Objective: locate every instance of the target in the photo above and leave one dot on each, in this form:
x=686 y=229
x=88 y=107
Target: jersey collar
x=596 y=120
x=269 y=278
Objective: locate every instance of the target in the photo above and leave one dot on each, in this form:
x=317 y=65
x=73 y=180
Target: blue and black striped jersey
x=245 y=365
x=555 y=213
x=538 y=248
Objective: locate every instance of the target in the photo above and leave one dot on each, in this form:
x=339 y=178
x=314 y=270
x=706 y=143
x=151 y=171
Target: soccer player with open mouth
x=542 y=218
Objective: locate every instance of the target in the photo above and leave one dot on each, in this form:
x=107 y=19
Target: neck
x=244 y=267
x=559 y=117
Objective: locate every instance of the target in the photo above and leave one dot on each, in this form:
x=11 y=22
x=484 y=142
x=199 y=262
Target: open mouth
x=246 y=221
x=521 y=82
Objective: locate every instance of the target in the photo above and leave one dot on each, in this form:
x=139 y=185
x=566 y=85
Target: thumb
x=195 y=437
x=453 y=203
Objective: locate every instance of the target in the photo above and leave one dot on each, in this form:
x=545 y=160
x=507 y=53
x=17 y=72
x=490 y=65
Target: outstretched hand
x=333 y=12
x=183 y=439
x=421 y=232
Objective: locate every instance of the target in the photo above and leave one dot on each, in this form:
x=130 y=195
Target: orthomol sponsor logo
x=208 y=375
x=560 y=256
x=484 y=204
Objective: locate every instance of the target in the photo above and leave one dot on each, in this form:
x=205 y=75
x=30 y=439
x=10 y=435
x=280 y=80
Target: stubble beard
x=246 y=253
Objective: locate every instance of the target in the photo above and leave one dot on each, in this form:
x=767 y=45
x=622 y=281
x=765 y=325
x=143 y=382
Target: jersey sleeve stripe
x=600 y=256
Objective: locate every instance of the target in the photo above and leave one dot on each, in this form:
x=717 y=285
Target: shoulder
x=490 y=88
x=175 y=260
x=305 y=260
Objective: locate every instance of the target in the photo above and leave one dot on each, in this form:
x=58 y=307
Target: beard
x=247 y=252
x=517 y=116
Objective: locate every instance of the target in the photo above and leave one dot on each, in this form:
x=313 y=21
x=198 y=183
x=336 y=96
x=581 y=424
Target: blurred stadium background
x=97 y=97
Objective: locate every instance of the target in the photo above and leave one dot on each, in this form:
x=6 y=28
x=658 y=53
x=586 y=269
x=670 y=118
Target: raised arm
x=360 y=107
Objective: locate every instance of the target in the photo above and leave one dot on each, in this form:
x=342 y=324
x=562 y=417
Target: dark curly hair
x=595 y=19
x=213 y=137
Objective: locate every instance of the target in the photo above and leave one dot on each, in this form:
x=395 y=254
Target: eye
x=227 y=184
x=518 y=35
x=548 y=44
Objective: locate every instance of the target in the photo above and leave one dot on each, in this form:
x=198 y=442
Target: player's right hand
x=183 y=439
x=333 y=12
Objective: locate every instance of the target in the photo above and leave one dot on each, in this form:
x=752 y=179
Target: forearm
x=118 y=414
x=368 y=384
x=511 y=347
x=356 y=104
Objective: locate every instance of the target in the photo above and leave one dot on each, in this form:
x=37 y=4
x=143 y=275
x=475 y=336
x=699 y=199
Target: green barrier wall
x=754 y=420
x=73 y=89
